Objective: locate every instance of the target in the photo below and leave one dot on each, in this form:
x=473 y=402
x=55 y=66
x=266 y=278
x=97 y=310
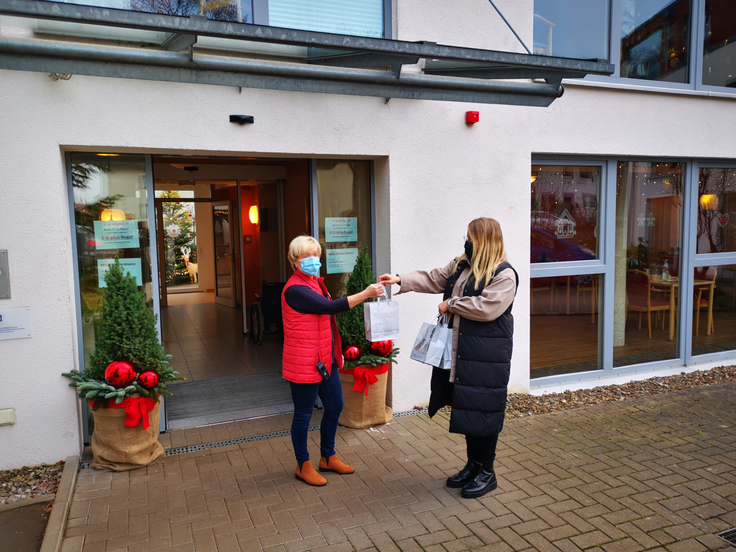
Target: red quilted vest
x=307 y=337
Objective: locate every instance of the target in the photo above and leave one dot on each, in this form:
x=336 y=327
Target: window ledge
x=652 y=89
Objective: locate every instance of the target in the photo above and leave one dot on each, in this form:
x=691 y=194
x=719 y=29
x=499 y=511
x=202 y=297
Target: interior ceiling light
x=108 y=155
x=190 y=168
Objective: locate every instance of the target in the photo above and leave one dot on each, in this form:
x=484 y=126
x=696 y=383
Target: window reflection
x=714 y=314
x=564 y=324
x=716 y=201
x=564 y=213
x=344 y=197
x=654 y=39
x=572 y=29
x=648 y=241
x=719 y=44
x=111 y=220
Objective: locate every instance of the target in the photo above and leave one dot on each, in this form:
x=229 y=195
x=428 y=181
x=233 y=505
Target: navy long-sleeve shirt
x=305 y=300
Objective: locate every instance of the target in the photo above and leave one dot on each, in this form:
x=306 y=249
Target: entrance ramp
x=201 y=403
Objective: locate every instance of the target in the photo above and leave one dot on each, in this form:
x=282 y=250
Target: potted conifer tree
x=364 y=377
x=125 y=378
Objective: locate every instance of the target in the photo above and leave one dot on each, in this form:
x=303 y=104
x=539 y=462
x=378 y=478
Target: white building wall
x=434 y=174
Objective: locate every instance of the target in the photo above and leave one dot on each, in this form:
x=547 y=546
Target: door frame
x=234 y=223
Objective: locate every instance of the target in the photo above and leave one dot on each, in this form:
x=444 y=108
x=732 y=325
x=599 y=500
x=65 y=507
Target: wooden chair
x=639 y=297
x=700 y=300
x=542 y=284
x=585 y=285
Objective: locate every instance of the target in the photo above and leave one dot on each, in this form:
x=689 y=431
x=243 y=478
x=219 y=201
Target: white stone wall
x=434 y=174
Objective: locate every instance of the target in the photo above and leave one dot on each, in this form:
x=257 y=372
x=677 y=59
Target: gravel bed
x=29 y=482
x=519 y=406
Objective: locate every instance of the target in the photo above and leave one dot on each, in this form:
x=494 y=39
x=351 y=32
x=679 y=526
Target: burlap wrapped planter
x=116 y=447
x=361 y=411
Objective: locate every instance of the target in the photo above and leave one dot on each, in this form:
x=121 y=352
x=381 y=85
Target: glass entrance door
x=222 y=219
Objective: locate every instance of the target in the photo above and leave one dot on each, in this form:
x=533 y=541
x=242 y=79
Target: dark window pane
x=564 y=324
x=571 y=28
x=345 y=227
x=111 y=220
x=719 y=45
x=716 y=210
x=654 y=39
x=564 y=213
x=714 y=301
x=648 y=242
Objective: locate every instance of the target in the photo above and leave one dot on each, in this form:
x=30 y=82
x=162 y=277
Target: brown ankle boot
x=306 y=473
x=334 y=464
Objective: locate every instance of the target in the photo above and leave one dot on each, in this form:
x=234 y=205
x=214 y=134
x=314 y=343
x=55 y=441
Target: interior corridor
x=206 y=340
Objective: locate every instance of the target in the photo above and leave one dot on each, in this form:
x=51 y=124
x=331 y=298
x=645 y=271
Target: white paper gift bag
x=381 y=320
x=431 y=345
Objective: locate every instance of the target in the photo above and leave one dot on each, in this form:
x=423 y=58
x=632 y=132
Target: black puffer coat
x=482 y=368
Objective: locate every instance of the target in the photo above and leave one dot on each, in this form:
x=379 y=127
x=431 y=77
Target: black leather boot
x=465 y=475
x=482 y=484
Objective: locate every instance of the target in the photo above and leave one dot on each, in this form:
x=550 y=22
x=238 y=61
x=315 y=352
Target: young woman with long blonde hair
x=479 y=288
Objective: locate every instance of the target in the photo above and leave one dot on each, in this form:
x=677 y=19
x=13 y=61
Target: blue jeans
x=304 y=396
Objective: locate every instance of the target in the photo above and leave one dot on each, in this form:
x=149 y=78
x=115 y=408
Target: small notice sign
x=116 y=234
x=340 y=261
x=131 y=266
x=15 y=323
x=341 y=229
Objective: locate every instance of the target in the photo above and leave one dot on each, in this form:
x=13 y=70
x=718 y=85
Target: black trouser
x=482 y=449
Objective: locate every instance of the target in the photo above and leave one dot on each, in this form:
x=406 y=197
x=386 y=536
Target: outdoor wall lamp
x=253 y=214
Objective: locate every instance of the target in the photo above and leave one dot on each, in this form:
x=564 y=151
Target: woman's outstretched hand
x=388 y=279
x=374 y=290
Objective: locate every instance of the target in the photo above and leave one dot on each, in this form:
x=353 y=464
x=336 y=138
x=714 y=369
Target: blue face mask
x=311 y=266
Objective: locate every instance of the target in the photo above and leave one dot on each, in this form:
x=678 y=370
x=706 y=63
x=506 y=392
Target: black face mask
x=468 y=249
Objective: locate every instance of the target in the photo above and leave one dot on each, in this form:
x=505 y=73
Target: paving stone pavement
x=654 y=473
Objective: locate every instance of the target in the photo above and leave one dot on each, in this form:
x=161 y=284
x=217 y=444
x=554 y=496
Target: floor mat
x=215 y=401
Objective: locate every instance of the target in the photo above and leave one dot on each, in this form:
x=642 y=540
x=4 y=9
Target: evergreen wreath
x=127 y=332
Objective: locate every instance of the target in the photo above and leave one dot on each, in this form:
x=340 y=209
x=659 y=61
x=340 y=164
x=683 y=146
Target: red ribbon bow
x=136 y=409
x=366 y=376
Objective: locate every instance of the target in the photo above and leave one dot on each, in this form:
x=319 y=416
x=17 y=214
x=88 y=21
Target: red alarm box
x=472 y=117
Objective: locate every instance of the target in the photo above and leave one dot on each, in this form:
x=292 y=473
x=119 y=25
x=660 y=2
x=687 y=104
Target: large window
x=111 y=220
x=687 y=44
x=714 y=304
x=564 y=213
x=343 y=190
x=657 y=287
x=572 y=29
x=719 y=43
x=716 y=210
x=648 y=244
x=349 y=17
x=655 y=39
x=565 y=301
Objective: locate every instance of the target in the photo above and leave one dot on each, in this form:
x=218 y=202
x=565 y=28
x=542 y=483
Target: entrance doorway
x=223 y=226
x=205 y=238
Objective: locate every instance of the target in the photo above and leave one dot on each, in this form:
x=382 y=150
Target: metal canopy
x=335 y=63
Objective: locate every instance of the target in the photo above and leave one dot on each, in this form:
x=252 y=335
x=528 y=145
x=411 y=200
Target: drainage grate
x=262 y=436
x=410 y=413
x=728 y=535
x=228 y=442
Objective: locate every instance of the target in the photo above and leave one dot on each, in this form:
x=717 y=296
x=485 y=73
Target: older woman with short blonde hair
x=313 y=355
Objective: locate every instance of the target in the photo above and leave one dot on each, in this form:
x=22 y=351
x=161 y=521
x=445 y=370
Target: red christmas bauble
x=352 y=353
x=119 y=373
x=148 y=380
x=383 y=348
